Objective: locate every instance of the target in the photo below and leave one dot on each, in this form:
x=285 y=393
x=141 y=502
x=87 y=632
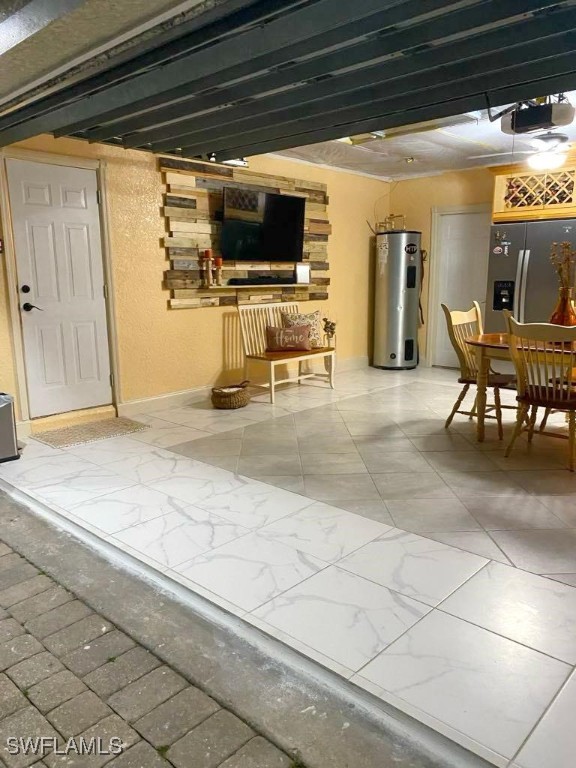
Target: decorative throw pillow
x=288 y=339
x=297 y=319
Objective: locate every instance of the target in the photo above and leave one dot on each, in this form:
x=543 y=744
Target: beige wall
x=162 y=351
x=415 y=198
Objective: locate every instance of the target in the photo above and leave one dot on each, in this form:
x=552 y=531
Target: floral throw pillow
x=296 y=319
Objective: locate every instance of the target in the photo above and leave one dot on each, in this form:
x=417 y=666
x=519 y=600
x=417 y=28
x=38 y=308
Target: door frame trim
x=99 y=166
x=435 y=265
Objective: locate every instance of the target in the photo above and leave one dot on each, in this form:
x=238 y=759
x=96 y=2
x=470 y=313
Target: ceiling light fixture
x=547 y=161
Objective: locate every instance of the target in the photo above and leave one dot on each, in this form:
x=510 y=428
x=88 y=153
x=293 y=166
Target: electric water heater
x=396 y=300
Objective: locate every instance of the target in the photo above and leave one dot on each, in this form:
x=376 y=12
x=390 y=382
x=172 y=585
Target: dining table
x=496 y=346
x=488 y=347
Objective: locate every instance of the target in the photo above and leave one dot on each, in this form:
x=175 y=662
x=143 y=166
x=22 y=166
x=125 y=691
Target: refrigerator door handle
x=518 y=286
x=523 y=286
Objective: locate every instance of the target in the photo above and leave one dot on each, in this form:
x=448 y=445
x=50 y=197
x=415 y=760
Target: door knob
x=27 y=307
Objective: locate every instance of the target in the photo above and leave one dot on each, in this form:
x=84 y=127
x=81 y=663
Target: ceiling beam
x=405 y=116
x=419 y=90
x=192 y=34
x=369 y=31
x=298 y=33
x=31 y=19
x=389 y=79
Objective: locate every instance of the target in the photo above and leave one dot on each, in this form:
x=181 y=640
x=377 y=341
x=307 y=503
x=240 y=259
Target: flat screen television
x=261 y=226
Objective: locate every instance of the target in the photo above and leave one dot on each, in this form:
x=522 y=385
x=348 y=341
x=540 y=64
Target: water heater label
x=411 y=248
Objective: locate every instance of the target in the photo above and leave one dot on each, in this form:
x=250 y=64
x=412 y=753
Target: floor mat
x=65 y=437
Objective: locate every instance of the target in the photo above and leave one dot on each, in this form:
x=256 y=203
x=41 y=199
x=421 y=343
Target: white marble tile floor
x=420 y=565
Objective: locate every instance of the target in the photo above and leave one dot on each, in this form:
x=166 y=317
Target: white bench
x=253 y=321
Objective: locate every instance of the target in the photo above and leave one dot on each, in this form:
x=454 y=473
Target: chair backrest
x=544 y=356
x=253 y=321
x=462 y=325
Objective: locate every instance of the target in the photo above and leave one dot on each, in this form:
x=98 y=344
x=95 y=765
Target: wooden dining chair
x=462 y=325
x=544 y=357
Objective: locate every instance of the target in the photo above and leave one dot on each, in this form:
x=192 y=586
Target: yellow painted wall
x=163 y=351
x=415 y=198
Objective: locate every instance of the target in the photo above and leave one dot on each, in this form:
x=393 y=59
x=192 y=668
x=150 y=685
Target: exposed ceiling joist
x=31 y=18
x=392 y=80
x=358 y=58
x=373 y=41
x=254 y=50
x=224 y=18
x=429 y=87
x=403 y=117
x=274 y=75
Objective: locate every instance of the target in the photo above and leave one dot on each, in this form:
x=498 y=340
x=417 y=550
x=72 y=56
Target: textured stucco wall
x=163 y=351
x=415 y=198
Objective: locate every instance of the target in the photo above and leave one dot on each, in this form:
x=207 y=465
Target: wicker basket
x=234 y=396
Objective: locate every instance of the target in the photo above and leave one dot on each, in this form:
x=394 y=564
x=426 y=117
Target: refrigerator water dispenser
x=503 y=295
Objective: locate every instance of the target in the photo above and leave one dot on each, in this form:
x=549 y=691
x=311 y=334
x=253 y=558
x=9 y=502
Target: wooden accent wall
x=193 y=206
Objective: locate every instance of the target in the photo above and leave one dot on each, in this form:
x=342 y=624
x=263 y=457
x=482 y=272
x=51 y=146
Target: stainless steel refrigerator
x=521 y=277
x=396 y=295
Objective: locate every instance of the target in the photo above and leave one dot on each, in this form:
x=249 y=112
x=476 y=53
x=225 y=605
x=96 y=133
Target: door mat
x=89 y=432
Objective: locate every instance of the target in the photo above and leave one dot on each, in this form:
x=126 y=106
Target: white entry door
x=61 y=291
x=461 y=264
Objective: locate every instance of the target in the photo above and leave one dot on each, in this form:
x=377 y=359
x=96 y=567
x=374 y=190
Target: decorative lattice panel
x=540 y=189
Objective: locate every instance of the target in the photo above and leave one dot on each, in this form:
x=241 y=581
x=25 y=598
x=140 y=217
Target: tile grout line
x=544 y=713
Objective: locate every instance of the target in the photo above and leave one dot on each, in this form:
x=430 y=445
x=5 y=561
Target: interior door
x=462 y=270
x=59 y=264
x=540 y=293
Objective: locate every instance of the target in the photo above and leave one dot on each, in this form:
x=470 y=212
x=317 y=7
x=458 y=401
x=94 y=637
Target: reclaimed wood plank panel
x=180 y=180
x=191 y=228
x=317 y=227
x=180 y=201
x=196 y=168
x=197 y=241
x=188 y=303
x=227 y=301
x=185 y=214
x=193 y=203
x=185 y=265
x=189 y=253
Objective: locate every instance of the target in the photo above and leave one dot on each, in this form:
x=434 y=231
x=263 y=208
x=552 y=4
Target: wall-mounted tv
x=261 y=226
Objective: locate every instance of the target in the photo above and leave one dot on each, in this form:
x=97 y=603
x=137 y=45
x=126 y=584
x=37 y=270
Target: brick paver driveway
x=66 y=672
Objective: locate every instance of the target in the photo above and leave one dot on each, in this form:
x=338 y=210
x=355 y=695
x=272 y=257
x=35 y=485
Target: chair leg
x=498 y=407
x=457 y=405
x=572 y=439
x=271 y=382
x=473 y=411
x=544 y=421
x=299 y=372
x=332 y=371
x=532 y=422
x=520 y=416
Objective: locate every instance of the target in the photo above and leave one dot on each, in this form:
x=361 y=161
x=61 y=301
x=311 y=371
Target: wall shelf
x=250 y=287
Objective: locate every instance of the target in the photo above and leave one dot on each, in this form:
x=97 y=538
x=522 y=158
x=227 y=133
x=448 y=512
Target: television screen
x=262 y=226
